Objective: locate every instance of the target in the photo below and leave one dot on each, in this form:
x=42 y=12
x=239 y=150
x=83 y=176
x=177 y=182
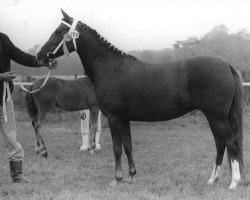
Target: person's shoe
x=84 y=147
x=98 y=147
x=20 y=179
x=16 y=172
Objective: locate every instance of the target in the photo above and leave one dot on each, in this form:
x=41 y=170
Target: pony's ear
x=65 y=16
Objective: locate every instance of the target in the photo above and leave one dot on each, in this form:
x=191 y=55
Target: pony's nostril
x=50 y=55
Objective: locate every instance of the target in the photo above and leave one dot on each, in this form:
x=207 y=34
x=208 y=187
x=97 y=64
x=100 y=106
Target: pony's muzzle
x=51 y=56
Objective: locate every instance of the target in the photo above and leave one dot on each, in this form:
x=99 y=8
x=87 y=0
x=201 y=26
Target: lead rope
x=6 y=88
x=72 y=34
x=44 y=82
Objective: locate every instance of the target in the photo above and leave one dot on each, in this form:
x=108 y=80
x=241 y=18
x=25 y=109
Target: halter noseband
x=72 y=34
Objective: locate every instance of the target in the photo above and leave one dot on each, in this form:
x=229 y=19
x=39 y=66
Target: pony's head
x=61 y=40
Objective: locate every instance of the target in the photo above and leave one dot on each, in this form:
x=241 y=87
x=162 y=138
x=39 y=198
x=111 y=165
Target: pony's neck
x=98 y=57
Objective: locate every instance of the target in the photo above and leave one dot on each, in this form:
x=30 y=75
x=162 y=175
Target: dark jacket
x=8 y=51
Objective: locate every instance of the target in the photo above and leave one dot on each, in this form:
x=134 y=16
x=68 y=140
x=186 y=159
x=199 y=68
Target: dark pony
x=69 y=95
x=130 y=90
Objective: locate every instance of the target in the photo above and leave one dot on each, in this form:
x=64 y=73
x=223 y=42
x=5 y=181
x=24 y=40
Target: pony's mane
x=106 y=43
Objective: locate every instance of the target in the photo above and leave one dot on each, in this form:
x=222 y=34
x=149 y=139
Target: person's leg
x=14 y=149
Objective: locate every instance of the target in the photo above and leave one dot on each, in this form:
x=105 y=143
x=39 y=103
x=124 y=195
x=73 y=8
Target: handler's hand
x=7 y=76
x=52 y=64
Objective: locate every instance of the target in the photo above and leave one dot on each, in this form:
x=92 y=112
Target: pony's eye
x=58 y=32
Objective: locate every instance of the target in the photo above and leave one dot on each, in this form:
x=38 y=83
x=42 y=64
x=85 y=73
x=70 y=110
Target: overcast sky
x=127 y=24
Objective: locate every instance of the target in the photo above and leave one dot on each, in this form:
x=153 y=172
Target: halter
x=72 y=34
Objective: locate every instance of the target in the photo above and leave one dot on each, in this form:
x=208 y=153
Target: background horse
x=69 y=95
x=129 y=90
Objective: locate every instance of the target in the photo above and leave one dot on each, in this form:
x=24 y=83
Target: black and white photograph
x=124 y=99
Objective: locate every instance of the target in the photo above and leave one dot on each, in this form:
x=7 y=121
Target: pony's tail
x=235 y=119
x=30 y=104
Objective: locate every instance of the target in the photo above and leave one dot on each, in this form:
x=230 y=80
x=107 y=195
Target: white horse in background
x=86 y=133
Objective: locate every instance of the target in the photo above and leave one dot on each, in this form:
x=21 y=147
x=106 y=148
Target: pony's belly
x=150 y=118
x=152 y=115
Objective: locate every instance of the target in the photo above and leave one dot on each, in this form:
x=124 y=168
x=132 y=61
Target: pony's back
x=71 y=95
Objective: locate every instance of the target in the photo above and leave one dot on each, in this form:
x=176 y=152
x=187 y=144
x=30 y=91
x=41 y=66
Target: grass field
x=174 y=160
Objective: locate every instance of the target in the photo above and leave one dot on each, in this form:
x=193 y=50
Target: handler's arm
x=21 y=57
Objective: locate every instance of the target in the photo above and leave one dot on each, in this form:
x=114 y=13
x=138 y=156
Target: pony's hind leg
x=36 y=127
x=84 y=130
x=39 y=144
x=235 y=160
x=93 y=121
x=235 y=149
x=218 y=130
x=224 y=137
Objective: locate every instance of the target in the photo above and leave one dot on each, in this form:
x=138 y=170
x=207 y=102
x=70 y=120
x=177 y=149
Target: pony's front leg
x=127 y=145
x=116 y=128
x=84 y=115
x=98 y=132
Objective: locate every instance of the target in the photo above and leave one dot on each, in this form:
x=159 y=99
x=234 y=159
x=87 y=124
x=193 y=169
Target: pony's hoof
x=115 y=183
x=91 y=151
x=45 y=155
x=211 y=181
x=38 y=151
x=232 y=186
x=129 y=180
x=83 y=148
x=98 y=147
x=42 y=153
x=244 y=182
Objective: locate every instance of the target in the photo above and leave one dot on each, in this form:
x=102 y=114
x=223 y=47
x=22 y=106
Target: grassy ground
x=174 y=160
